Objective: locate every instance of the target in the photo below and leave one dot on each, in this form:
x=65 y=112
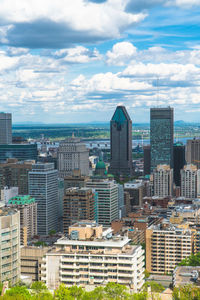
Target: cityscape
x=76 y=213
x=100 y=150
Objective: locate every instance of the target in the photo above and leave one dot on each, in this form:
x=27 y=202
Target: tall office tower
x=18 y=151
x=43 y=186
x=193 y=152
x=15 y=174
x=28 y=216
x=72 y=155
x=107 y=208
x=179 y=162
x=78 y=204
x=10 y=245
x=189 y=181
x=163 y=181
x=5 y=128
x=161 y=136
x=147 y=159
x=121 y=143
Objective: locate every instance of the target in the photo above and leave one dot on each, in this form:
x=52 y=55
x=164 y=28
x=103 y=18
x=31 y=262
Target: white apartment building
x=92 y=256
x=163 y=181
x=189 y=181
x=72 y=155
x=108 y=200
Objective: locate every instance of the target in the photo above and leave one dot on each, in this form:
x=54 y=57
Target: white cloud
x=78 y=54
x=121 y=53
x=63 y=22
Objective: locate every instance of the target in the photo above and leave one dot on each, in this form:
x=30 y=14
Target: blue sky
x=74 y=61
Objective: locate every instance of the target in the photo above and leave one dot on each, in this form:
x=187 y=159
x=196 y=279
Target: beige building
x=166 y=246
x=9 y=245
x=92 y=256
x=72 y=155
x=78 y=204
x=28 y=216
x=163 y=181
x=75 y=180
x=31 y=259
x=189 y=181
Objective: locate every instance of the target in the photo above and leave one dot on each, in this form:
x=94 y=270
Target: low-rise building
x=185 y=275
x=31 y=260
x=92 y=256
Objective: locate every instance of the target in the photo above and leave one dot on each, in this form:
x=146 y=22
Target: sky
x=74 y=61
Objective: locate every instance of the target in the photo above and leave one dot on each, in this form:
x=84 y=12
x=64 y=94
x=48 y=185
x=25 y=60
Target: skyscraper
x=189 y=181
x=179 y=162
x=121 y=143
x=161 y=136
x=108 y=202
x=193 y=152
x=72 y=155
x=147 y=159
x=43 y=186
x=5 y=128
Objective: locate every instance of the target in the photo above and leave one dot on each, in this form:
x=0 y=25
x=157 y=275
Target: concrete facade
x=5 y=128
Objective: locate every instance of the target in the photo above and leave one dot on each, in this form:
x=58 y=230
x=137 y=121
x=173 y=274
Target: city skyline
x=68 y=62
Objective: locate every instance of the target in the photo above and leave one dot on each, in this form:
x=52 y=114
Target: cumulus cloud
x=78 y=54
x=59 y=24
x=121 y=53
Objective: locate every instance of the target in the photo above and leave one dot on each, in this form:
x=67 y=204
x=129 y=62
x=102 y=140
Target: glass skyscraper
x=43 y=186
x=161 y=136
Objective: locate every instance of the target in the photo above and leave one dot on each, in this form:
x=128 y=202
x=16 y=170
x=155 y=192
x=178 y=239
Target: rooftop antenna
x=157 y=84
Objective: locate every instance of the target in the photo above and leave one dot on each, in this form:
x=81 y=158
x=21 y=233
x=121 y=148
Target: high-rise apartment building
x=161 y=136
x=28 y=216
x=43 y=186
x=90 y=255
x=15 y=174
x=193 y=152
x=72 y=155
x=163 y=181
x=5 y=128
x=179 y=162
x=121 y=143
x=166 y=247
x=78 y=204
x=189 y=181
x=9 y=245
x=107 y=208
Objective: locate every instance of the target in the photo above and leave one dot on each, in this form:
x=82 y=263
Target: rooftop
x=21 y=200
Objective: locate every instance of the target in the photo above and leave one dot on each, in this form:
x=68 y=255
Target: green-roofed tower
x=121 y=143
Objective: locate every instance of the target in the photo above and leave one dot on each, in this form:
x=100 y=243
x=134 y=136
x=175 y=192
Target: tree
x=115 y=291
x=97 y=294
x=20 y=291
x=62 y=293
x=187 y=292
x=76 y=292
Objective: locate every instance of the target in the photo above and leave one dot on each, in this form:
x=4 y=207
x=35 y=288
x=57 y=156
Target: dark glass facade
x=19 y=151
x=179 y=162
x=161 y=136
x=121 y=142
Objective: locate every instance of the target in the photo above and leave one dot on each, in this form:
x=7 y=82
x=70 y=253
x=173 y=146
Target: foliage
x=40 y=243
x=146 y=274
x=18 y=292
x=52 y=232
x=192 y=260
x=155 y=287
x=187 y=292
x=115 y=291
